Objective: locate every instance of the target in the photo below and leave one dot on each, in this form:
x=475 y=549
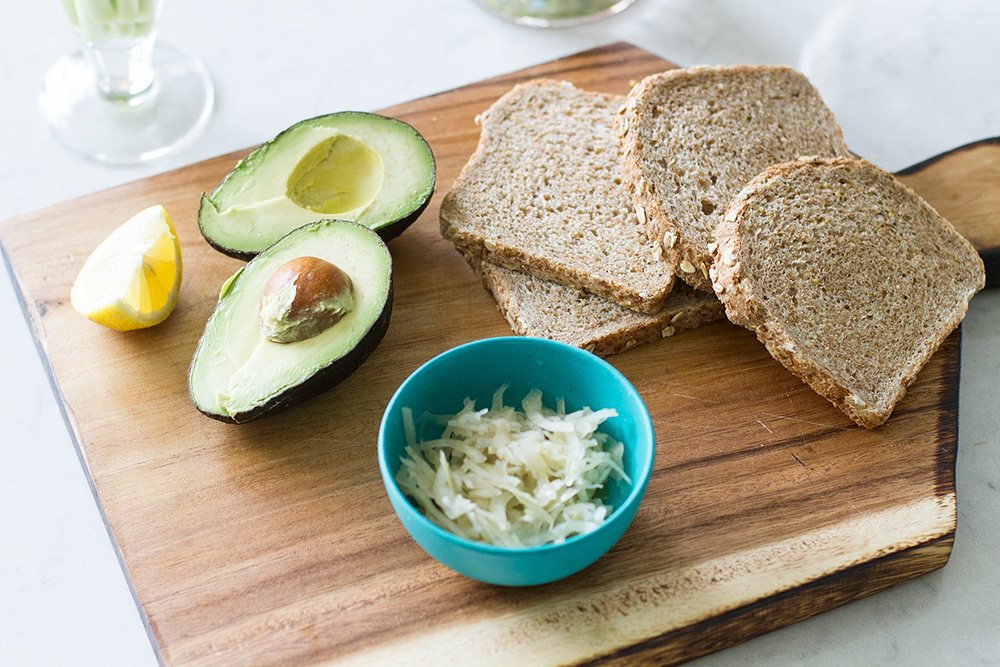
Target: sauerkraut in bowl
x=516 y=460
x=512 y=477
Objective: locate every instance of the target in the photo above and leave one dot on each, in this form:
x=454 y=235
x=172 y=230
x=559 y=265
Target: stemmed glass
x=124 y=98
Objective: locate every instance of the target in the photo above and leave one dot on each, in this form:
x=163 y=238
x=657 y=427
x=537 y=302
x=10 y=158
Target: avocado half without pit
x=363 y=167
x=294 y=322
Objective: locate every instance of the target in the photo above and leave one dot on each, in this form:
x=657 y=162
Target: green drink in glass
x=124 y=98
x=554 y=13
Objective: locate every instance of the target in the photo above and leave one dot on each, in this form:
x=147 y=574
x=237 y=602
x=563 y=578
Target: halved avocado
x=352 y=165
x=238 y=374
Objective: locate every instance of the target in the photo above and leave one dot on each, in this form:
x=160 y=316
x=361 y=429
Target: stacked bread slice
x=540 y=212
x=547 y=309
x=579 y=211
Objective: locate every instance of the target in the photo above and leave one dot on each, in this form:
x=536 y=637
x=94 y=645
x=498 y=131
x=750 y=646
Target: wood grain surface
x=274 y=542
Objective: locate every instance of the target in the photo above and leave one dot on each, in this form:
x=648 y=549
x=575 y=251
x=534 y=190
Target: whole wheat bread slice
x=542 y=194
x=850 y=279
x=544 y=309
x=692 y=138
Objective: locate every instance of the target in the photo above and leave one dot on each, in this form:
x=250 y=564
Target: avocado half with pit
x=294 y=322
x=363 y=167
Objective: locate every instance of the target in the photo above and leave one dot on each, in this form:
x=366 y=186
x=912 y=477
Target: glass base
x=554 y=13
x=163 y=119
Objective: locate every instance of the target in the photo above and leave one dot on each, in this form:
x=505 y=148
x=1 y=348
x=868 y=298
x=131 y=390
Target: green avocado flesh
x=362 y=167
x=237 y=374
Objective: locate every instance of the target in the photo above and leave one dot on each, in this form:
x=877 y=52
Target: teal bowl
x=476 y=370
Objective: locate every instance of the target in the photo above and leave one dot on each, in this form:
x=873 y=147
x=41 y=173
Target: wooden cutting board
x=274 y=542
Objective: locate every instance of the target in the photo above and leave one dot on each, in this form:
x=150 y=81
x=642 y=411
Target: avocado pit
x=304 y=297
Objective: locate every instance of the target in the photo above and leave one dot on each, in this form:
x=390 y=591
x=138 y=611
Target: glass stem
x=123 y=69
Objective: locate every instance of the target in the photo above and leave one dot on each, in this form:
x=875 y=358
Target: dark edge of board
x=784 y=608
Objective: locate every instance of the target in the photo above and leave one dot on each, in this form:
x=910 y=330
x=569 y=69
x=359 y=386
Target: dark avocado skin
x=387 y=230
x=322 y=380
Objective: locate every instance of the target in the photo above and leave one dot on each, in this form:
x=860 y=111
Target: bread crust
x=941 y=259
x=692 y=138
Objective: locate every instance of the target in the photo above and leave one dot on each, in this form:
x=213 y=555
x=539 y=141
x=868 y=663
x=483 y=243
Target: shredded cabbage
x=510 y=478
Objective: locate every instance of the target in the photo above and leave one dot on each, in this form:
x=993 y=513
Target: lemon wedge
x=132 y=279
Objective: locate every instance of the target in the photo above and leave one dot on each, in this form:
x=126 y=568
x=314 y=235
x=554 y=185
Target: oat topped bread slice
x=542 y=194
x=692 y=138
x=850 y=279
x=544 y=309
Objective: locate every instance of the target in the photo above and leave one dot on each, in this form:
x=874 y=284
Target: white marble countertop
x=906 y=79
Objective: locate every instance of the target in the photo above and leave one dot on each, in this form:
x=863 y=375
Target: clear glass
x=124 y=98
x=554 y=13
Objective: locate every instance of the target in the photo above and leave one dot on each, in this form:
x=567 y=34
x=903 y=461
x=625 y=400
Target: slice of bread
x=850 y=279
x=692 y=138
x=542 y=194
x=544 y=309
